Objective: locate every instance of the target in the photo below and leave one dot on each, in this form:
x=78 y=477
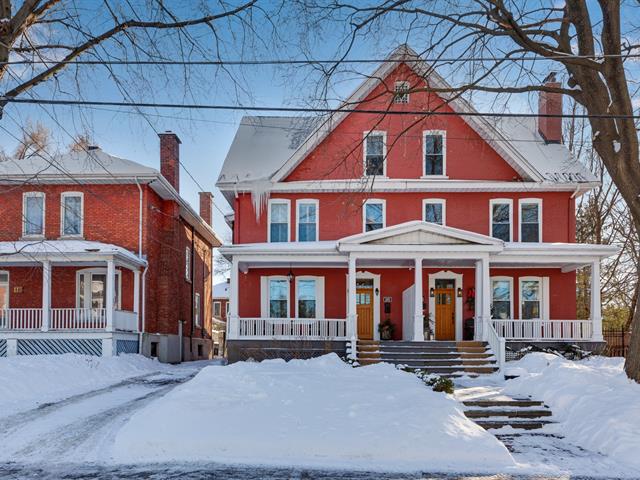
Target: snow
x=616 y=146
x=312 y=413
x=30 y=381
x=31 y=248
x=596 y=405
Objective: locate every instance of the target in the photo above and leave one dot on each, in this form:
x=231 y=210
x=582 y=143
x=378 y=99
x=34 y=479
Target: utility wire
x=42 y=101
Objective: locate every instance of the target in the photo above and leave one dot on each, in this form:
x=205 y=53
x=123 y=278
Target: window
x=187 y=264
x=278 y=220
x=401 y=92
x=91 y=288
x=33 y=214
x=501 y=306
x=373 y=215
x=71 y=214
x=434 y=152
x=434 y=211
x=217 y=309
x=530 y=296
x=306 y=297
x=307 y=220
x=278 y=298
x=4 y=290
x=530 y=220
x=374 y=153
x=501 y=213
x=196 y=310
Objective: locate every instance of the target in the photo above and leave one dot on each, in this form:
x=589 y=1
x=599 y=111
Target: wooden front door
x=445 y=314
x=364 y=309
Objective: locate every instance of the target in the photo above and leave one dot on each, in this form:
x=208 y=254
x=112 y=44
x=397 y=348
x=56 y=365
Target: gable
x=418 y=237
x=340 y=154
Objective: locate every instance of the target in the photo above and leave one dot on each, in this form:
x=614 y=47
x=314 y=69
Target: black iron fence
x=617 y=341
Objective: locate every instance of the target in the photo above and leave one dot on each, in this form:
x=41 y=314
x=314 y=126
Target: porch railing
x=20 y=318
x=293 y=328
x=78 y=319
x=544 y=329
x=497 y=344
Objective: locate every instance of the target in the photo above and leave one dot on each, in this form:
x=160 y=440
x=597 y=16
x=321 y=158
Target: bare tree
x=585 y=41
x=35 y=139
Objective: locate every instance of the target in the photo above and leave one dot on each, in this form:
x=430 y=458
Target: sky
x=206 y=135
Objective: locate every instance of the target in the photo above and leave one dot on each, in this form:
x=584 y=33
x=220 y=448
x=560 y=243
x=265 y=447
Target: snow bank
x=312 y=413
x=597 y=405
x=28 y=381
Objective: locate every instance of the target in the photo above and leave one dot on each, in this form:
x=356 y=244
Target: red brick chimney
x=170 y=158
x=206 y=207
x=550 y=104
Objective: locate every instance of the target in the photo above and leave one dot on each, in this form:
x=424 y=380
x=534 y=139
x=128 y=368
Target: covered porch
x=68 y=289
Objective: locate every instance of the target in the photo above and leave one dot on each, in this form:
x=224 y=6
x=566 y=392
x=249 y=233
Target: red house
x=445 y=228
x=101 y=255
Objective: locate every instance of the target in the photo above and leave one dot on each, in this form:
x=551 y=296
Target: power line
x=42 y=101
x=321 y=61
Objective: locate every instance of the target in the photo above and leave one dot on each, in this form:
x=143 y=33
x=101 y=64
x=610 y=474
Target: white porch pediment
x=418 y=237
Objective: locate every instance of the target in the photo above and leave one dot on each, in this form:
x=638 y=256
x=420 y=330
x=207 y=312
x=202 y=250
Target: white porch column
x=352 y=317
x=109 y=294
x=486 y=296
x=477 y=331
x=136 y=296
x=596 y=303
x=46 y=295
x=418 y=320
x=233 y=330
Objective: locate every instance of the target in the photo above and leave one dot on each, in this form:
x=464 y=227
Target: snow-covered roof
x=221 y=290
x=64 y=250
x=93 y=163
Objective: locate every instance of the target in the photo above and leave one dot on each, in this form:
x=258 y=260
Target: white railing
x=544 y=329
x=78 y=319
x=497 y=344
x=20 y=319
x=125 y=321
x=293 y=328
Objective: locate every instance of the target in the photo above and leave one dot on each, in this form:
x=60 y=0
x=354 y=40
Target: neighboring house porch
x=89 y=296
x=474 y=287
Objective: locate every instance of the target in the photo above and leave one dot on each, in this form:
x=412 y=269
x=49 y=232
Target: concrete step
x=439 y=356
x=407 y=343
x=491 y=424
x=503 y=403
x=438 y=362
x=458 y=369
x=486 y=413
x=433 y=349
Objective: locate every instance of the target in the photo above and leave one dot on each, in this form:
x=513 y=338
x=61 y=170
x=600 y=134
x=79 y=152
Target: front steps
x=498 y=413
x=438 y=357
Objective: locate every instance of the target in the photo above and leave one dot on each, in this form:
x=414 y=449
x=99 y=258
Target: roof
x=266 y=149
x=221 y=290
x=97 y=166
x=64 y=251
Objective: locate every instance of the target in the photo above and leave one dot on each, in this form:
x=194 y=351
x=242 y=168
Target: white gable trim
x=489 y=133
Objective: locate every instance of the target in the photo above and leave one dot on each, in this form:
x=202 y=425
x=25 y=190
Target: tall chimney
x=206 y=207
x=550 y=104
x=170 y=158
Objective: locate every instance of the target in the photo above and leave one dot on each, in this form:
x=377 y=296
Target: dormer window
x=401 y=92
x=434 y=153
x=375 y=151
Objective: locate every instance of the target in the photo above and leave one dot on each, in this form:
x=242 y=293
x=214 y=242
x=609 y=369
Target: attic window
x=401 y=92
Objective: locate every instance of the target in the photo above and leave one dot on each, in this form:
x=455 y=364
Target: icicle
x=260 y=194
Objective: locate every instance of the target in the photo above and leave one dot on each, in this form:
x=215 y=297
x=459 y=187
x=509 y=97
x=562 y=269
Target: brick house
x=360 y=226
x=101 y=255
x=220 y=313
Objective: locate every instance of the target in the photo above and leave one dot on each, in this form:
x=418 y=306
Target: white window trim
x=8 y=283
x=365 y=135
x=401 y=83
x=435 y=201
x=196 y=310
x=319 y=294
x=279 y=201
x=187 y=263
x=364 y=212
x=444 y=153
x=265 y=311
x=527 y=201
x=544 y=295
x=87 y=286
x=307 y=201
x=504 y=278
x=226 y=309
x=219 y=303
x=26 y=195
x=501 y=201
x=62 y=197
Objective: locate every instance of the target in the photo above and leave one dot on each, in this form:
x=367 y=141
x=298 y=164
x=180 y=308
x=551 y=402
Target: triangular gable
x=420 y=233
x=481 y=126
